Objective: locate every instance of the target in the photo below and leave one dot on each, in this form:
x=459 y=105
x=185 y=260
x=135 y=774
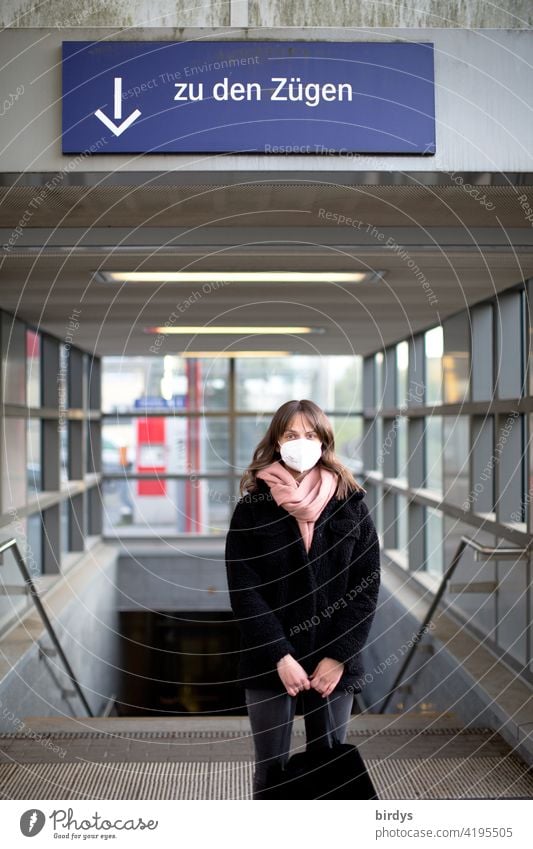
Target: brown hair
x=266 y=451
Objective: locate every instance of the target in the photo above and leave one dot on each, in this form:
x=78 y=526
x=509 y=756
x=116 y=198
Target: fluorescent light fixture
x=217 y=354
x=230 y=329
x=240 y=276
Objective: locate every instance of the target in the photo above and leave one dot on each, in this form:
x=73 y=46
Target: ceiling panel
x=49 y=268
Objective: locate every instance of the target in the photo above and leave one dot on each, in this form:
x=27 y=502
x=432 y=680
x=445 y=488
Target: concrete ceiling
x=458 y=250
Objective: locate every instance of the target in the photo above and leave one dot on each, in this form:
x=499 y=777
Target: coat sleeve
x=259 y=626
x=351 y=621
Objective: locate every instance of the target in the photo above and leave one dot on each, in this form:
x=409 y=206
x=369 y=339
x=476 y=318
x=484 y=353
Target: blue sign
x=248 y=97
x=150 y=402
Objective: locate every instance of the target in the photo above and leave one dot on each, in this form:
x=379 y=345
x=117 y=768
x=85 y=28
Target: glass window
x=482 y=352
x=64 y=528
x=171 y=382
x=94 y=384
x=348 y=432
x=34 y=552
x=402 y=448
x=433 y=452
x=510 y=351
x=13 y=360
x=387 y=448
x=402 y=376
x=164 y=445
x=63 y=450
x=380 y=456
x=62 y=377
x=402 y=525
x=378 y=379
x=85 y=380
x=481 y=496
x=10 y=605
x=511 y=467
x=334 y=383
x=433 y=340
x=190 y=506
x=34 y=456
x=33 y=368
x=93 y=434
x=346 y=375
x=456 y=358
x=14 y=464
x=434 y=541
x=456 y=458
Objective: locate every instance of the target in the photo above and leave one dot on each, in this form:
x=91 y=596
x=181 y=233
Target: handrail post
x=45 y=618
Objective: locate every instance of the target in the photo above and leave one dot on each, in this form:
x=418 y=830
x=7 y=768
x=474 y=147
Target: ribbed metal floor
x=398 y=778
x=159 y=780
x=116 y=760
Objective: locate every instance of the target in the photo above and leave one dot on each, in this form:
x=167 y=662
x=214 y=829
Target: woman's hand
x=293 y=676
x=326 y=675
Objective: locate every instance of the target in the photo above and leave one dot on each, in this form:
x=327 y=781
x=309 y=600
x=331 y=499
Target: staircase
x=408 y=755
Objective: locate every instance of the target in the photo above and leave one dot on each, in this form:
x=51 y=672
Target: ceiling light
x=227 y=329
x=213 y=354
x=240 y=276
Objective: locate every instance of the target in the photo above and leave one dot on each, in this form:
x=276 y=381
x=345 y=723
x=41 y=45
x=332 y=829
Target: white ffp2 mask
x=301 y=454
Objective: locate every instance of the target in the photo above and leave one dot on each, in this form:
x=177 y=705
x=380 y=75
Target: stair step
x=115 y=724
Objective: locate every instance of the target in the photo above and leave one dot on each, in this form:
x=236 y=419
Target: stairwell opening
x=178 y=663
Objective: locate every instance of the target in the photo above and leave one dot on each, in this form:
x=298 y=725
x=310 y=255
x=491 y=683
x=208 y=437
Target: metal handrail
x=485 y=551
x=32 y=589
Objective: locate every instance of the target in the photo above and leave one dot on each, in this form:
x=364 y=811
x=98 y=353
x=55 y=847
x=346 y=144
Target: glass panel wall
x=433 y=351
x=33 y=465
x=33 y=368
x=434 y=541
x=37 y=372
x=167 y=382
x=456 y=358
x=159 y=507
x=163 y=440
x=457 y=458
x=165 y=444
x=402 y=374
x=334 y=383
x=433 y=452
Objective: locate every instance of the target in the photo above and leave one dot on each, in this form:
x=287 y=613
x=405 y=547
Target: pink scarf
x=305 y=499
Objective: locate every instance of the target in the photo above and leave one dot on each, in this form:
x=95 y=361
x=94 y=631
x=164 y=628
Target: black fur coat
x=309 y=604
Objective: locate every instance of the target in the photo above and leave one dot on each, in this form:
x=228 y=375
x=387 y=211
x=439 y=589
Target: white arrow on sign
x=117 y=129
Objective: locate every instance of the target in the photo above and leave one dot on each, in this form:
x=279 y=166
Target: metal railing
x=482 y=552
x=32 y=590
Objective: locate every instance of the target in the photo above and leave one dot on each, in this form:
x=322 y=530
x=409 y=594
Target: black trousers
x=271 y=716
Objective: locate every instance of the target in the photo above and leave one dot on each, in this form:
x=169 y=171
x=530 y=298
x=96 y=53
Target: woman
x=303 y=569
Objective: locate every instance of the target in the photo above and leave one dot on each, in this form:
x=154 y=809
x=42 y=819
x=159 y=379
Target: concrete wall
x=483 y=102
x=87 y=628
x=376 y=13
x=148 y=580
x=346 y=13
x=434 y=678
x=115 y=13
